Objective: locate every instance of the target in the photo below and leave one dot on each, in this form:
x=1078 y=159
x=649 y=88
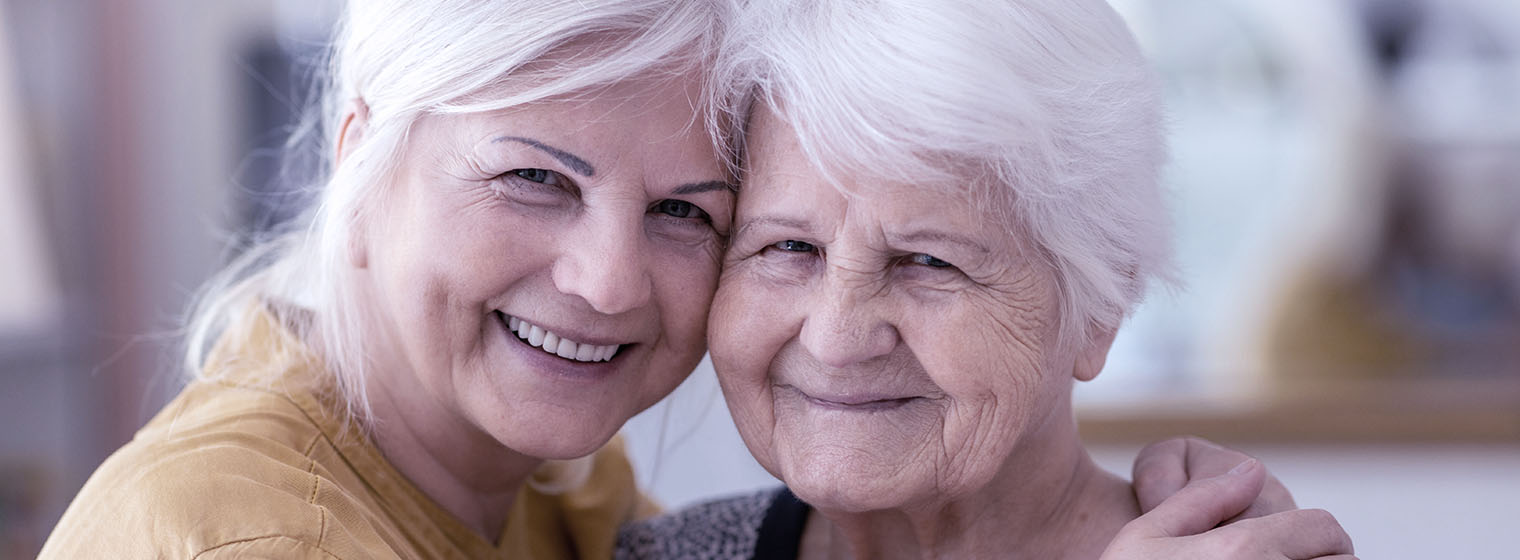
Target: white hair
x=1050 y=98
x=403 y=59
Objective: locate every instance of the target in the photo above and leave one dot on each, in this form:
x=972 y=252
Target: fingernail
x=1244 y=467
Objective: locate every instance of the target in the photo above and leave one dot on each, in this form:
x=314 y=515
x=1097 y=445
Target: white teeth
x=562 y=347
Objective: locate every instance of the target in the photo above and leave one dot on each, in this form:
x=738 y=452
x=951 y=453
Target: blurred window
x=28 y=289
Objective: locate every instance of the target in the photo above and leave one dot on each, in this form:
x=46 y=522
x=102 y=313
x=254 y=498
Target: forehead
x=641 y=116
x=780 y=175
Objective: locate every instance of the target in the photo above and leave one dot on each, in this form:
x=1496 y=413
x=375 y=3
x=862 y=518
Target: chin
x=849 y=487
x=850 y=500
x=561 y=450
x=557 y=438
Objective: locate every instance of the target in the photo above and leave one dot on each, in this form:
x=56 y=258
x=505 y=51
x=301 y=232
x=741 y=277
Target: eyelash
x=545 y=173
x=924 y=259
x=673 y=208
x=533 y=180
x=919 y=259
x=664 y=206
x=796 y=246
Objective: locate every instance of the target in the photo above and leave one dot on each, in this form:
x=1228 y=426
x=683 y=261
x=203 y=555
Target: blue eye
x=928 y=260
x=680 y=209
x=543 y=176
x=794 y=246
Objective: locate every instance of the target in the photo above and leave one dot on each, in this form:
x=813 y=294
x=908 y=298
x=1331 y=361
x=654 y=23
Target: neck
x=459 y=466
x=1048 y=501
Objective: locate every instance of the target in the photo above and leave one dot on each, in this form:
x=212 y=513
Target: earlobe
x=358 y=253
x=1090 y=359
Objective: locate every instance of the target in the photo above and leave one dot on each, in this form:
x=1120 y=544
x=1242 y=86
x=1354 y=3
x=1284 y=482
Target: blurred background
x=1345 y=179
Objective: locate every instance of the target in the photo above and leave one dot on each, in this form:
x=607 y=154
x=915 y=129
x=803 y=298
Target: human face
x=592 y=225
x=883 y=345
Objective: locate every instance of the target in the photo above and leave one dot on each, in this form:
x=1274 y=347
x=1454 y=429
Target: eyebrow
x=933 y=236
x=575 y=164
x=706 y=186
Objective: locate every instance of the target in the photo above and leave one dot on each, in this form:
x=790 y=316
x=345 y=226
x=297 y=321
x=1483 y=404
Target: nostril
x=605 y=263
x=609 y=289
x=840 y=338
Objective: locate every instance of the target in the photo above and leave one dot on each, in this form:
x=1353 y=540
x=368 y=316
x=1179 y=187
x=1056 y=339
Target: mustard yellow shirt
x=258 y=465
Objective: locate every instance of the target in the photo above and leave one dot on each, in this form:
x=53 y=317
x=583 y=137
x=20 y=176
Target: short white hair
x=1050 y=98
x=404 y=59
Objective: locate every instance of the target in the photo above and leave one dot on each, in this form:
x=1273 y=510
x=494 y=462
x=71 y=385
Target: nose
x=844 y=326
x=604 y=264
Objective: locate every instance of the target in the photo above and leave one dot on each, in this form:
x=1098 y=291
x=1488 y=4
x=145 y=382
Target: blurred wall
x=134 y=119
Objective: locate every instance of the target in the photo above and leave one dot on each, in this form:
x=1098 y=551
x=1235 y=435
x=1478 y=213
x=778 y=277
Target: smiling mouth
x=854 y=403
x=552 y=343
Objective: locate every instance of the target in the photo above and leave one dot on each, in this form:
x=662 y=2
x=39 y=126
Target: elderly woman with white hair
x=947 y=209
x=513 y=252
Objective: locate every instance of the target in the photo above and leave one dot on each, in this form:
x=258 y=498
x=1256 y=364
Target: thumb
x=1204 y=504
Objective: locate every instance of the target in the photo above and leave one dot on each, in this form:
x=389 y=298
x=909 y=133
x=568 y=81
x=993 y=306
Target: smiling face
x=885 y=346
x=540 y=274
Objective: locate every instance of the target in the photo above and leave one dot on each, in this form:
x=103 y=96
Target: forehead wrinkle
x=865 y=219
x=774 y=220
x=937 y=236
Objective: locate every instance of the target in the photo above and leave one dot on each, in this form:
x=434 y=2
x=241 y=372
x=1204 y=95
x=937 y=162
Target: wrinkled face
x=541 y=274
x=884 y=346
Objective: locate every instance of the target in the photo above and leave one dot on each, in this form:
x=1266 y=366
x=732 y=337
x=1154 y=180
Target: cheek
x=684 y=283
x=685 y=279
x=749 y=325
x=995 y=377
x=983 y=380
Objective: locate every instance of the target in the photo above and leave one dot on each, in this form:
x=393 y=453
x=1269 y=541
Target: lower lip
x=874 y=405
x=554 y=365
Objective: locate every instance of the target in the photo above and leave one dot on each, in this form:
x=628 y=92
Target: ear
x=1090 y=359
x=355 y=121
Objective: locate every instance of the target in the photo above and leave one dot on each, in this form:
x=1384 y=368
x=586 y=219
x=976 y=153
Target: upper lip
x=578 y=335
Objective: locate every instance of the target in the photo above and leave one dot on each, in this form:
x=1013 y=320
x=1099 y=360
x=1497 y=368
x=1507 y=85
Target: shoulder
x=724 y=528
x=238 y=478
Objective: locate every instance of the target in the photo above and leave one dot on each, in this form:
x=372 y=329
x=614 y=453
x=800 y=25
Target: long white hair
x=1051 y=99
x=403 y=59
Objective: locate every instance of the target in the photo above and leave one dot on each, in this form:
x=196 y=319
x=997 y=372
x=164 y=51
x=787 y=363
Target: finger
x=1208 y=459
x=1274 y=498
x=1305 y=533
x=1160 y=471
x=1204 y=504
x=1164 y=467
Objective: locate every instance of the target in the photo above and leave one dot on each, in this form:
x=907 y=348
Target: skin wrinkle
x=902 y=481
x=973 y=444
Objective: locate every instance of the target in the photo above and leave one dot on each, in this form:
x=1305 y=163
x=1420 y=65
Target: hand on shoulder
x=1206 y=502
